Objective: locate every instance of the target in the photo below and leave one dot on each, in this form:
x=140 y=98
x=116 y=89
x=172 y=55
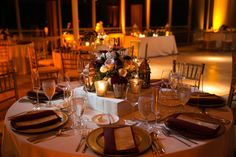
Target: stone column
x=148 y=11
x=93 y=14
x=75 y=19
x=170 y=5
x=122 y=15
x=18 y=21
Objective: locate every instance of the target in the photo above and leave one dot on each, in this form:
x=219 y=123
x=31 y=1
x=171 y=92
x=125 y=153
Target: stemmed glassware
x=63 y=83
x=49 y=87
x=165 y=77
x=36 y=87
x=184 y=93
x=145 y=103
x=79 y=104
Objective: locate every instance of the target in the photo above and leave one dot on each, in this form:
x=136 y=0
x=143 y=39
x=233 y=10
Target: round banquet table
x=15 y=144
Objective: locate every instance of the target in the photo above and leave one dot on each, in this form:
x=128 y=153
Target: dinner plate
x=95 y=141
x=105 y=119
x=64 y=119
x=200 y=117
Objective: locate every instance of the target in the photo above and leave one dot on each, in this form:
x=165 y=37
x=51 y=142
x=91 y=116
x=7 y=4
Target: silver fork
x=168 y=134
x=177 y=134
x=82 y=140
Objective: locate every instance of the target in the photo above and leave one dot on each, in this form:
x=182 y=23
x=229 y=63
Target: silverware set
x=48 y=136
x=157 y=147
x=82 y=143
x=171 y=133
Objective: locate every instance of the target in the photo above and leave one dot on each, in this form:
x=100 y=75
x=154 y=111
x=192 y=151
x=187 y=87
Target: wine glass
x=79 y=103
x=63 y=83
x=145 y=102
x=175 y=80
x=36 y=87
x=184 y=93
x=165 y=77
x=49 y=87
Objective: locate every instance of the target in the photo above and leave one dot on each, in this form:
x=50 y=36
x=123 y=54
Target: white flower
x=109 y=63
x=104 y=69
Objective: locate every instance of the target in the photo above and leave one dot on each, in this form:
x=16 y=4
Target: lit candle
x=101 y=87
x=86 y=43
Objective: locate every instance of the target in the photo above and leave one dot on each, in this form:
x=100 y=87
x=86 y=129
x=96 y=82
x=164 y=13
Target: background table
x=15 y=144
x=157 y=46
x=18 y=54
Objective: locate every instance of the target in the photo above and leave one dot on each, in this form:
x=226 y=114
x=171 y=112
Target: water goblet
x=145 y=102
x=49 y=87
x=36 y=87
x=79 y=102
x=165 y=77
x=184 y=93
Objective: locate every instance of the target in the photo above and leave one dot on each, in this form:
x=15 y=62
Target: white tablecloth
x=15 y=144
x=157 y=46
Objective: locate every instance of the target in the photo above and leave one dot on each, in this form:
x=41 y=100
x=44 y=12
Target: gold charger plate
x=203 y=118
x=64 y=119
x=95 y=141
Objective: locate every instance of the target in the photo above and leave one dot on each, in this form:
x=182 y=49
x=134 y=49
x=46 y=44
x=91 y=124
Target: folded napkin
x=35 y=119
x=32 y=95
x=206 y=99
x=119 y=140
x=188 y=124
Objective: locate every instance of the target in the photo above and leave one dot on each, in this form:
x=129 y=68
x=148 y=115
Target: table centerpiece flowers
x=116 y=67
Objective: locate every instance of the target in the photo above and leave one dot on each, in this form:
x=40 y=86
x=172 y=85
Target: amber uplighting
x=219 y=13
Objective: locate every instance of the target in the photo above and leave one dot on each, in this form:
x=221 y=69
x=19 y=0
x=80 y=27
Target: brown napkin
x=119 y=140
x=206 y=99
x=191 y=125
x=35 y=119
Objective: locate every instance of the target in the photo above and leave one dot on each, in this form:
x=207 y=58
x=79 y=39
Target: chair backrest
x=33 y=60
x=69 y=60
x=8 y=82
x=190 y=71
x=4 y=52
x=84 y=59
x=233 y=82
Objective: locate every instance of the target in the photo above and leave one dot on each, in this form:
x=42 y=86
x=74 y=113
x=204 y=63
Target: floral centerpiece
x=115 y=66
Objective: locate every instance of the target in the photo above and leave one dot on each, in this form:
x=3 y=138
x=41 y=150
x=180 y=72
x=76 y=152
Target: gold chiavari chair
x=8 y=82
x=190 y=71
x=45 y=72
x=69 y=60
x=232 y=92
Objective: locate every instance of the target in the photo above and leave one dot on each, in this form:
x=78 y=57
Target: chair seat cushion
x=45 y=62
x=48 y=69
x=72 y=74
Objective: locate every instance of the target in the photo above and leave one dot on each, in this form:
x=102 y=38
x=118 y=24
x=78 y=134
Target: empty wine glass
x=79 y=102
x=36 y=87
x=49 y=87
x=165 y=77
x=184 y=93
x=145 y=102
x=63 y=83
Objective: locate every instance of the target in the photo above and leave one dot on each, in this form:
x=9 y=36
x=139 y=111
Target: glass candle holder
x=135 y=85
x=101 y=87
